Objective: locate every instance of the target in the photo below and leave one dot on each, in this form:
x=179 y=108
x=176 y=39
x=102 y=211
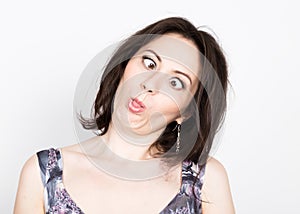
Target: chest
x=96 y=191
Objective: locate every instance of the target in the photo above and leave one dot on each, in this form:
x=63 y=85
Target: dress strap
x=188 y=200
x=50 y=164
x=192 y=179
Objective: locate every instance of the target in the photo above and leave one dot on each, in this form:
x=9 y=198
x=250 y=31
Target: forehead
x=177 y=48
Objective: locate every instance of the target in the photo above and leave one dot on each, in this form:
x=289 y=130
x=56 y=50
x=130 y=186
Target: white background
x=45 y=45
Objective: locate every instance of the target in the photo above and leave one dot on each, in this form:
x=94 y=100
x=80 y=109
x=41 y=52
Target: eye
x=149 y=63
x=176 y=83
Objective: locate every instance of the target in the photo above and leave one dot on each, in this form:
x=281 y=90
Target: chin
x=148 y=130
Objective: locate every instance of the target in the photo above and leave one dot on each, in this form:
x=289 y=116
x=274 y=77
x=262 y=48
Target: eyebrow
x=156 y=55
x=176 y=71
x=184 y=74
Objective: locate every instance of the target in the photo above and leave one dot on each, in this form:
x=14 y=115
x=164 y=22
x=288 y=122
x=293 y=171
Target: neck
x=127 y=148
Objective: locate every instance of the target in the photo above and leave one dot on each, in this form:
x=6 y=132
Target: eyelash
x=148 y=58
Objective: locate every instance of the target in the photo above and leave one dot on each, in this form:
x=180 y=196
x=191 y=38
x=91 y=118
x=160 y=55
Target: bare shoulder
x=29 y=198
x=216 y=189
x=31 y=167
x=72 y=149
x=75 y=158
x=75 y=151
x=215 y=179
x=215 y=170
x=72 y=156
x=30 y=193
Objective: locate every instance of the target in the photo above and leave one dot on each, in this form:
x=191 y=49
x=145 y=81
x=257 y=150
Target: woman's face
x=159 y=82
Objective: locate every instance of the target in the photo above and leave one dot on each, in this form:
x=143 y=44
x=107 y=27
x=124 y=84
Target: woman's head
x=158 y=83
x=192 y=76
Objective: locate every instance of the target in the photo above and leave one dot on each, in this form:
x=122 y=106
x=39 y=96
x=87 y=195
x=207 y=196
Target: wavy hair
x=210 y=97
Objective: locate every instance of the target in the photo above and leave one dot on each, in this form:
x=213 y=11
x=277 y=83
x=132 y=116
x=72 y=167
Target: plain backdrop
x=45 y=45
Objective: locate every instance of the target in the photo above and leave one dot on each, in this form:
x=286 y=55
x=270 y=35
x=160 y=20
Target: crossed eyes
x=174 y=82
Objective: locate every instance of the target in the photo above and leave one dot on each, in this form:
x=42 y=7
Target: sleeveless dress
x=58 y=201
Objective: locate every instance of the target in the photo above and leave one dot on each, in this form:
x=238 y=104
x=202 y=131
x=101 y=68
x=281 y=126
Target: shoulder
x=78 y=148
x=214 y=179
x=74 y=161
x=30 y=188
x=215 y=170
x=72 y=153
x=31 y=167
x=78 y=152
x=216 y=189
x=31 y=172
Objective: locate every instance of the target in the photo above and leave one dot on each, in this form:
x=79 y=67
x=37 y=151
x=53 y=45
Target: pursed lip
x=136 y=106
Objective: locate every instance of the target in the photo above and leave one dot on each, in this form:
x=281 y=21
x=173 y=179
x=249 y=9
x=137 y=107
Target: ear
x=186 y=115
x=180 y=120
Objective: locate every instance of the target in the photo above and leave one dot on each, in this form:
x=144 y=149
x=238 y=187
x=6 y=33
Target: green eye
x=149 y=63
x=176 y=83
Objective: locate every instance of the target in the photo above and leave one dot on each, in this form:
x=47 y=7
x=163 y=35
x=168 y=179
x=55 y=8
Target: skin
x=107 y=190
x=168 y=87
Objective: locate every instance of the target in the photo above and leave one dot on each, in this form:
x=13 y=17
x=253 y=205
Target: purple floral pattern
x=58 y=201
x=188 y=200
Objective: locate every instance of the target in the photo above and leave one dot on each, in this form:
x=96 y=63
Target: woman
x=160 y=103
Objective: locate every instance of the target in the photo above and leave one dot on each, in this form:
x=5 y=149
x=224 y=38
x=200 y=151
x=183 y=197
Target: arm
x=29 y=198
x=216 y=190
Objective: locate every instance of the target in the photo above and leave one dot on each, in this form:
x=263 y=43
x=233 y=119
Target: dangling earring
x=178 y=138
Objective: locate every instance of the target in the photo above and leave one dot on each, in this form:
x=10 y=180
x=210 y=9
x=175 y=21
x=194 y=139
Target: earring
x=178 y=138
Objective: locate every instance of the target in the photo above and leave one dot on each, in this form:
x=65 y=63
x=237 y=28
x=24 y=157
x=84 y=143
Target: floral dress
x=58 y=201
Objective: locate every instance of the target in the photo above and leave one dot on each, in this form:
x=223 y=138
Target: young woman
x=161 y=101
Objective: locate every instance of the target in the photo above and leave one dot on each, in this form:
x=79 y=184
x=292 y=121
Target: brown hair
x=209 y=99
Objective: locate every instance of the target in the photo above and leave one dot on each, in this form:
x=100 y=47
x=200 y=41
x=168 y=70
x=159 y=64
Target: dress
x=58 y=201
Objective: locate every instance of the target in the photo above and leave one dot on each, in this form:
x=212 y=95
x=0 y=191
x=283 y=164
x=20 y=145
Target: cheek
x=166 y=106
x=131 y=69
x=127 y=72
x=176 y=101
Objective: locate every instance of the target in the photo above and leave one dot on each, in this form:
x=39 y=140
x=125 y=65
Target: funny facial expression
x=159 y=82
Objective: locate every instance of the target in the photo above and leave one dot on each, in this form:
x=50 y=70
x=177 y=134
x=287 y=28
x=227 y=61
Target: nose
x=145 y=88
x=151 y=83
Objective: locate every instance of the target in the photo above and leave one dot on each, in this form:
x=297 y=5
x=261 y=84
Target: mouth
x=136 y=106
